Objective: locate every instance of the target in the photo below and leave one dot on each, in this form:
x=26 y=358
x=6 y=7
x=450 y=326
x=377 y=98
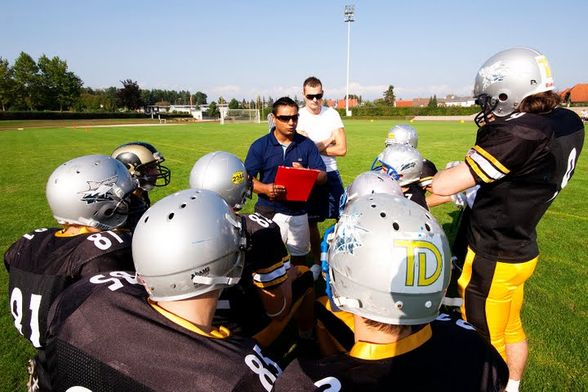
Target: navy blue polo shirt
x=264 y=157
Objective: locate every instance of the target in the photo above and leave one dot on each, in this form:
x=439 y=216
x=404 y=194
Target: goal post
x=241 y=115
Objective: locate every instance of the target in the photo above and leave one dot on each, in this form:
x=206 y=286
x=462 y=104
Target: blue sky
x=243 y=49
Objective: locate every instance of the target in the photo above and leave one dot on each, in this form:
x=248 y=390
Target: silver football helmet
x=187 y=244
x=368 y=183
x=402 y=134
x=92 y=190
x=401 y=162
x=506 y=78
x=389 y=261
x=144 y=163
x=225 y=174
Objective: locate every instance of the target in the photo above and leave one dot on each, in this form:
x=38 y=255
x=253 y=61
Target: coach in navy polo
x=284 y=147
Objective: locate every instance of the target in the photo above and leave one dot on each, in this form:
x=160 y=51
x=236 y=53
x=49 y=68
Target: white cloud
x=369 y=92
x=377 y=91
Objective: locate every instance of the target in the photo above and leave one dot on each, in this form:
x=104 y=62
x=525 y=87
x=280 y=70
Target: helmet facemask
x=152 y=174
x=487 y=105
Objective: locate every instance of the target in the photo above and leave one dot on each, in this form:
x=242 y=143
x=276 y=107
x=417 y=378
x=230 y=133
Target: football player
x=404 y=164
x=89 y=198
x=525 y=153
x=154 y=330
x=406 y=134
x=388 y=268
x=144 y=162
x=335 y=327
x=270 y=292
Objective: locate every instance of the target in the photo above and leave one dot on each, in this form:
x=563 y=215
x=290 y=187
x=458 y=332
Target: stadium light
x=349 y=17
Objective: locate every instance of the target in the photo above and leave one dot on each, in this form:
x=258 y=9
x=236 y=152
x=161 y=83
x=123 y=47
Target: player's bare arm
x=452 y=180
x=338 y=146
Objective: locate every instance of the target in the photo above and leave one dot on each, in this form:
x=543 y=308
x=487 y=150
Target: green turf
x=555 y=314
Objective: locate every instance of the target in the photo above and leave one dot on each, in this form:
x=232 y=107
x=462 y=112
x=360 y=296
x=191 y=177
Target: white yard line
x=123 y=125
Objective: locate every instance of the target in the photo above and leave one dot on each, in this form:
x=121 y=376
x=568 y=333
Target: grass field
x=556 y=306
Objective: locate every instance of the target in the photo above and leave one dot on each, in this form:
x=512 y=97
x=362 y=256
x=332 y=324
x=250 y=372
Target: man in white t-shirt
x=324 y=127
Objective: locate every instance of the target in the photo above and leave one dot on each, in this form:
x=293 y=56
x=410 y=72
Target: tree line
x=48 y=85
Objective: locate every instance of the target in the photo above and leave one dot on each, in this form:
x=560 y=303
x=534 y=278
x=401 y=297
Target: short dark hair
x=540 y=103
x=388 y=328
x=284 y=101
x=311 y=81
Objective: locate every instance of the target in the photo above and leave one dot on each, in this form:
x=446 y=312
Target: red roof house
x=578 y=93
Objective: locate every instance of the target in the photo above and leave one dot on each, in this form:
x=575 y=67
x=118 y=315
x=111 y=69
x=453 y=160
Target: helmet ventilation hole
x=399 y=305
x=108 y=212
x=170 y=216
x=373 y=206
x=146 y=219
x=503 y=97
x=428 y=217
x=183 y=205
x=396 y=226
x=77 y=172
x=427 y=227
x=383 y=214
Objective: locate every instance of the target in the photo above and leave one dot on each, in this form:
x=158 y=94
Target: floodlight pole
x=349 y=17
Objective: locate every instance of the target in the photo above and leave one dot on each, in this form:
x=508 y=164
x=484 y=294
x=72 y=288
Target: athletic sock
x=513 y=385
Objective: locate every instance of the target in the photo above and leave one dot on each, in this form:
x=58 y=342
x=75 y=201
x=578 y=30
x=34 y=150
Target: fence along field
x=556 y=305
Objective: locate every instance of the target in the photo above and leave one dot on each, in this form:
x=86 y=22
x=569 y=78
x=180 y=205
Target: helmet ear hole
x=502 y=97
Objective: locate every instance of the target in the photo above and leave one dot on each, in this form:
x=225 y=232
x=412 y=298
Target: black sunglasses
x=288 y=118
x=310 y=97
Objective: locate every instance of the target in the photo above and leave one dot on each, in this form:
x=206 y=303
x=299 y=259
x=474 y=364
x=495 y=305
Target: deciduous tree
x=213 y=110
x=234 y=104
x=59 y=88
x=130 y=95
x=389 y=96
x=200 y=98
x=6 y=84
x=26 y=82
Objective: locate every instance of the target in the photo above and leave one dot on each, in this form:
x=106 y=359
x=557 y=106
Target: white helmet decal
x=99 y=190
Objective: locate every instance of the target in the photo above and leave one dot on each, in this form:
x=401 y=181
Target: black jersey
x=137 y=207
x=445 y=355
x=521 y=163
x=42 y=263
x=266 y=266
x=105 y=335
x=416 y=193
x=427 y=174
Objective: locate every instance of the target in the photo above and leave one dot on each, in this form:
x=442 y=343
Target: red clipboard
x=298 y=182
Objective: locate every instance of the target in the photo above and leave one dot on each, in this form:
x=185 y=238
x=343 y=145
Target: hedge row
x=46 y=115
x=388 y=111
